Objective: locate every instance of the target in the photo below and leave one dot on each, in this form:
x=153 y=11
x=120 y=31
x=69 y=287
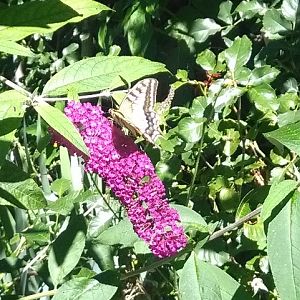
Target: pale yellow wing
x=136 y=111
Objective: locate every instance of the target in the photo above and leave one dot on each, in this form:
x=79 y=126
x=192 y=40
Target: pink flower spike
x=131 y=176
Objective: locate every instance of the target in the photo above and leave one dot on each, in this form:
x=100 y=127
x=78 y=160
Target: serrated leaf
x=274 y=22
x=62 y=260
x=288 y=135
x=278 y=192
x=264 y=97
x=201 y=29
x=206 y=59
x=61 y=124
x=20 y=21
x=264 y=74
x=238 y=54
x=99 y=73
x=14 y=48
x=200 y=280
x=190 y=130
x=284 y=249
x=85 y=288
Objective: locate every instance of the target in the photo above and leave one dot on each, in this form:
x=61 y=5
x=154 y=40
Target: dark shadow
x=10 y=198
x=36 y=14
x=123 y=144
x=9 y=124
x=63 y=243
x=109 y=277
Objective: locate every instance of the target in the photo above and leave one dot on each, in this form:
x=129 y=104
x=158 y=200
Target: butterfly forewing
x=136 y=111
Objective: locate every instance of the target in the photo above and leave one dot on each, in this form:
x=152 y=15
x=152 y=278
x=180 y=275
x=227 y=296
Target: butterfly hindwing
x=136 y=112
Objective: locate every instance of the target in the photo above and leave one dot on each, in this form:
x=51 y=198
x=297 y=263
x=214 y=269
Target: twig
x=236 y=224
x=38 y=257
x=101 y=94
x=16 y=87
x=39 y=295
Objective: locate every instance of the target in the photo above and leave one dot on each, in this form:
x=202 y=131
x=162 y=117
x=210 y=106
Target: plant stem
x=39 y=295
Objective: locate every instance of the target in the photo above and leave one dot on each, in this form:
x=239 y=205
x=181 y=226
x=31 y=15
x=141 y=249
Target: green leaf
x=14 y=48
x=99 y=73
x=264 y=74
x=200 y=280
x=287 y=102
x=248 y=9
x=190 y=220
x=227 y=96
x=190 y=130
x=61 y=124
x=20 y=192
x=238 y=54
x=255 y=232
x=201 y=29
x=288 y=135
x=274 y=22
x=120 y=234
x=37 y=234
x=198 y=107
x=44 y=17
x=60 y=186
x=225 y=12
x=206 y=59
x=11 y=114
x=264 y=97
x=84 y=288
x=139 y=31
x=168 y=169
x=284 y=249
x=288 y=118
x=63 y=259
x=290 y=9
x=278 y=192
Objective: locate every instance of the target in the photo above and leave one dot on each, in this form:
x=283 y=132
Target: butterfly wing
x=136 y=111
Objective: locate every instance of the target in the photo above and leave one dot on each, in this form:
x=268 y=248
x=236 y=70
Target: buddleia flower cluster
x=131 y=176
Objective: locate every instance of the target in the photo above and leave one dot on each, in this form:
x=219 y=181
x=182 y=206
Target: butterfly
x=136 y=111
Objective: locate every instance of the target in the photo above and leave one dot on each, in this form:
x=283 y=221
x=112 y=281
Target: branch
x=16 y=87
x=39 y=295
x=236 y=224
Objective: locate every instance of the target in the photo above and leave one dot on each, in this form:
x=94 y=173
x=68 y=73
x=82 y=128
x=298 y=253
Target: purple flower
x=131 y=176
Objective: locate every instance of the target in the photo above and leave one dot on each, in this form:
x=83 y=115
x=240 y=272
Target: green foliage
x=228 y=156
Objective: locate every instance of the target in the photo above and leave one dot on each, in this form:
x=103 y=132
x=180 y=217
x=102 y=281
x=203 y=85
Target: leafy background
x=229 y=157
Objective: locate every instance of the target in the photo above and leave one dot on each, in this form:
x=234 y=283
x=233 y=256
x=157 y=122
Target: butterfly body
x=136 y=112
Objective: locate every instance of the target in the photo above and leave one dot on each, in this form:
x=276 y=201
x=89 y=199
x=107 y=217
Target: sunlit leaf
x=283 y=249
x=202 y=28
x=19 y=21
x=61 y=124
x=99 y=73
